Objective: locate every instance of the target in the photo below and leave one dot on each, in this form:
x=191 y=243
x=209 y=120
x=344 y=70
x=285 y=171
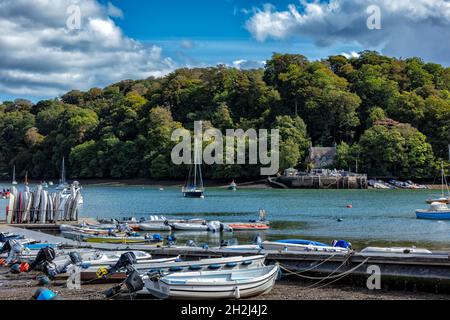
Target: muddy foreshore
x=23 y=286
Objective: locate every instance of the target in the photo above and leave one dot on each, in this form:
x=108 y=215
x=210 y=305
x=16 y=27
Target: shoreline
x=254 y=184
x=22 y=287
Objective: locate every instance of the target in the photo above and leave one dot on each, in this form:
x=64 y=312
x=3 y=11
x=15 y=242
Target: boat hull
x=250 y=283
x=193 y=194
x=190 y=227
x=280 y=246
x=444 y=215
x=154 y=227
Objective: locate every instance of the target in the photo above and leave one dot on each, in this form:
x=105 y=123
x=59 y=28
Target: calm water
x=378 y=217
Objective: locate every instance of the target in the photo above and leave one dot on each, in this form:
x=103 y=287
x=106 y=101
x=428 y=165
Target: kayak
x=248 y=226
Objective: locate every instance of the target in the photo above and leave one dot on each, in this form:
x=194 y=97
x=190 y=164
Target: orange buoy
x=24 y=267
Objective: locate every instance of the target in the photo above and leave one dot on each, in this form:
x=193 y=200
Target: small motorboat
x=437 y=211
x=444 y=200
x=90 y=269
x=232 y=186
x=154 y=226
x=213 y=285
x=189 y=226
x=340 y=246
x=119 y=238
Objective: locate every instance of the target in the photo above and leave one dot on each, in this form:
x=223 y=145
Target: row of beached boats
x=235 y=277
x=167 y=278
x=41 y=206
x=126 y=231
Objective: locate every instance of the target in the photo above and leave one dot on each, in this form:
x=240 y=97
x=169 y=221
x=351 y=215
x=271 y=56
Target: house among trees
x=321 y=157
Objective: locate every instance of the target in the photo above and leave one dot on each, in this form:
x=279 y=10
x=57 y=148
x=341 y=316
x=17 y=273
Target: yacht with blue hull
x=437 y=211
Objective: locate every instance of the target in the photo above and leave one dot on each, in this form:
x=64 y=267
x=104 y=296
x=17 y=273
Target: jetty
x=319 y=179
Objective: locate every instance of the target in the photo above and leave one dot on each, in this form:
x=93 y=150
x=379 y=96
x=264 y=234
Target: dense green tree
x=124 y=130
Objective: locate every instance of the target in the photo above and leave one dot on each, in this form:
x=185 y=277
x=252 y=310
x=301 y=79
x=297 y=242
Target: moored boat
x=210 y=285
x=437 y=211
x=443 y=198
x=232 y=186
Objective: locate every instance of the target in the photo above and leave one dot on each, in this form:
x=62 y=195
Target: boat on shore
x=306 y=245
x=213 y=285
x=119 y=238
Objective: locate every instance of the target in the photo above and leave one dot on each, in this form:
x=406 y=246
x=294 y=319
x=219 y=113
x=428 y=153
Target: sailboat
x=445 y=199
x=62 y=181
x=194 y=184
x=14 y=176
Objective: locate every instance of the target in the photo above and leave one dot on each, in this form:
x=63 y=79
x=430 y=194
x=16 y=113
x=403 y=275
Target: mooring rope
x=328 y=277
x=313 y=267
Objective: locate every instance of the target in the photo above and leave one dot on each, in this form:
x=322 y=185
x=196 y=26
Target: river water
x=377 y=217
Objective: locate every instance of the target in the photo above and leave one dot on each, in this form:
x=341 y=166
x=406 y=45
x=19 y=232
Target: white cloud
x=352 y=54
x=39 y=56
x=248 y=64
x=409 y=27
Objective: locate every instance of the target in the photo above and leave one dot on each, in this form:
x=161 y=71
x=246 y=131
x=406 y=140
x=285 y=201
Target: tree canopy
x=391 y=115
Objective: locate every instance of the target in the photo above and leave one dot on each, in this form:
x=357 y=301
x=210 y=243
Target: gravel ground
x=23 y=286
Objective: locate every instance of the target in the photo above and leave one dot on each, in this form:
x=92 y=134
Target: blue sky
x=40 y=57
x=208 y=32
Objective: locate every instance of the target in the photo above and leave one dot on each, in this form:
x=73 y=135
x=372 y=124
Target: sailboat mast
x=63 y=172
x=195 y=169
x=14 y=174
x=443 y=178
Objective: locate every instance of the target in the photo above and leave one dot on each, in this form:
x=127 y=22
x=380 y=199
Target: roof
x=320 y=152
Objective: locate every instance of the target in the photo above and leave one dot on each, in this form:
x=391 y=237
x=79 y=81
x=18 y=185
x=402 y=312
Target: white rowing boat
x=210 y=285
x=189 y=226
x=154 y=226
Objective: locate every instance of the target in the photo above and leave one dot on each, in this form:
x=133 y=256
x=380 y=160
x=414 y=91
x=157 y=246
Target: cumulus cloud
x=408 y=28
x=248 y=64
x=41 y=56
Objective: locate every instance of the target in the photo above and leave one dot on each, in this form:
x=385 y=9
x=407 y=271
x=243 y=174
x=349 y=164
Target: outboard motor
x=125 y=261
x=224 y=243
x=191 y=243
x=258 y=240
x=134 y=282
x=44 y=256
x=14 y=248
x=6 y=247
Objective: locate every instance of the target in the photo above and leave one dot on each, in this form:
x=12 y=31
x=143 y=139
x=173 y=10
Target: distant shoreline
x=260 y=184
x=254 y=184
